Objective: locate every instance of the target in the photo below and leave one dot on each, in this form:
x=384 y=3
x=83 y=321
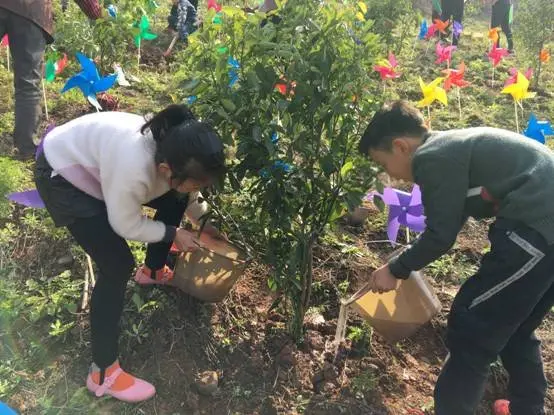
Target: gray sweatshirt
x=479 y=172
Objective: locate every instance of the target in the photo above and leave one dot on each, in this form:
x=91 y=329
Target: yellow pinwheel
x=432 y=92
x=520 y=89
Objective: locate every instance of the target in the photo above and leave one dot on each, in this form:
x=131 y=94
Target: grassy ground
x=169 y=338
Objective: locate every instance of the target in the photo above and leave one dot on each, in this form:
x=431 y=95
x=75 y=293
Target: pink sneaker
x=501 y=407
x=120 y=384
x=162 y=276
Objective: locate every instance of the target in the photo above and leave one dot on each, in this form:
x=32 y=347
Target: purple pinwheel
x=457 y=29
x=31 y=198
x=405 y=209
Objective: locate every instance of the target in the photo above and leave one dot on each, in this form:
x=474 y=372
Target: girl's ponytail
x=161 y=123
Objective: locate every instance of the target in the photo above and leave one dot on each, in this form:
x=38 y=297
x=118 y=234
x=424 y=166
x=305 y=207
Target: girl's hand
x=186 y=241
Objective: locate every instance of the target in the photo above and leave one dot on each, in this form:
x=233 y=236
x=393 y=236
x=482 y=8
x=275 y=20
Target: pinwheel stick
x=492 y=81
x=459 y=101
x=429 y=115
x=45 y=102
x=407 y=235
x=138 y=55
x=517 y=117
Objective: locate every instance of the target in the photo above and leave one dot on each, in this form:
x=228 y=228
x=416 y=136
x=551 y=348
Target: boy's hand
x=382 y=280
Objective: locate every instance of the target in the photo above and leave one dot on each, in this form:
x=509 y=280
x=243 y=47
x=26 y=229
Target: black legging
x=501 y=18
x=115 y=264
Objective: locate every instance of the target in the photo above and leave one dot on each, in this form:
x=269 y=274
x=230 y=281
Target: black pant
x=501 y=18
x=115 y=265
x=495 y=314
x=27 y=44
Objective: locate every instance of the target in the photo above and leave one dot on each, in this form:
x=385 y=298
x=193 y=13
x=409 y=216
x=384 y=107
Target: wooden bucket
x=210 y=272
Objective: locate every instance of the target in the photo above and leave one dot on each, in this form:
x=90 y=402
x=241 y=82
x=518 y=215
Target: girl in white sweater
x=95 y=174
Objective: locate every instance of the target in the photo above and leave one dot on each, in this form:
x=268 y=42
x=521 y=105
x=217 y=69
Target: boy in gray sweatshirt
x=479 y=172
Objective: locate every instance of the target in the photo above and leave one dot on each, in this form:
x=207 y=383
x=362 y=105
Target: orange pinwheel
x=544 y=56
x=441 y=26
x=493 y=35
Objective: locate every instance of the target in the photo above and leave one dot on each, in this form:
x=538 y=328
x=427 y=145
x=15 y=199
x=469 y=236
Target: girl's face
x=186 y=186
x=189 y=185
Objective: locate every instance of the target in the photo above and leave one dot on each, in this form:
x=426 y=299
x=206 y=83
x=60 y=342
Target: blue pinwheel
x=233 y=71
x=89 y=81
x=423 y=29
x=112 y=10
x=538 y=130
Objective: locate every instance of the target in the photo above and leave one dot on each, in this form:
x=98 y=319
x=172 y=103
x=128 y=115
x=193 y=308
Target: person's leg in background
x=27 y=44
x=506 y=24
x=522 y=359
x=488 y=312
x=3 y=22
x=457 y=16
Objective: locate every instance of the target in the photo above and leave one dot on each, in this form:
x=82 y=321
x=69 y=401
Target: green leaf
x=346 y=168
x=71 y=307
x=137 y=301
x=228 y=105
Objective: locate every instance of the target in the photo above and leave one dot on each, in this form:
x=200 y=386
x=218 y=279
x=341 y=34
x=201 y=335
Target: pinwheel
x=387 y=68
x=405 y=209
x=495 y=57
x=191 y=100
x=52 y=69
x=457 y=29
x=519 y=91
x=444 y=53
x=5 y=42
x=120 y=76
x=423 y=29
x=213 y=4
x=89 y=81
x=233 y=71
x=544 y=56
x=513 y=76
x=494 y=36
x=431 y=93
x=441 y=25
x=538 y=130
x=142 y=32
x=112 y=10
x=363 y=11
x=456 y=77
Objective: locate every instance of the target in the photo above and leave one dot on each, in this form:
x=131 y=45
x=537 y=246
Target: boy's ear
x=400 y=145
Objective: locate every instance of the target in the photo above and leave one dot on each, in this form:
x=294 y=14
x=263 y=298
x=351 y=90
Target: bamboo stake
x=84 y=302
x=517 y=117
x=91 y=270
x=459 y=101
x=45 y=103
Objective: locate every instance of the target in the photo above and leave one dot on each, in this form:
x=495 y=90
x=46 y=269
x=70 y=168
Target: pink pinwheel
x=513 y=76
x=444 y=53
x=496 y=55
x=431 y=32
x=405 y=209
x=5 y=41
x=386 y=68
x=213 y=4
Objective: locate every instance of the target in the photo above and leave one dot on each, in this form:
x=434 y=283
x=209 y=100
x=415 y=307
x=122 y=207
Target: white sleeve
x=195 y=209
x=124 y=199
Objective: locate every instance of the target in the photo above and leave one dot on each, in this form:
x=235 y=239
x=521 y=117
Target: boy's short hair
x=400 y=119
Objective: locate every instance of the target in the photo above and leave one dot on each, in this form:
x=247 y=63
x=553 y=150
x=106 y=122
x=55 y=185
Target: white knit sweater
x=105 y=155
